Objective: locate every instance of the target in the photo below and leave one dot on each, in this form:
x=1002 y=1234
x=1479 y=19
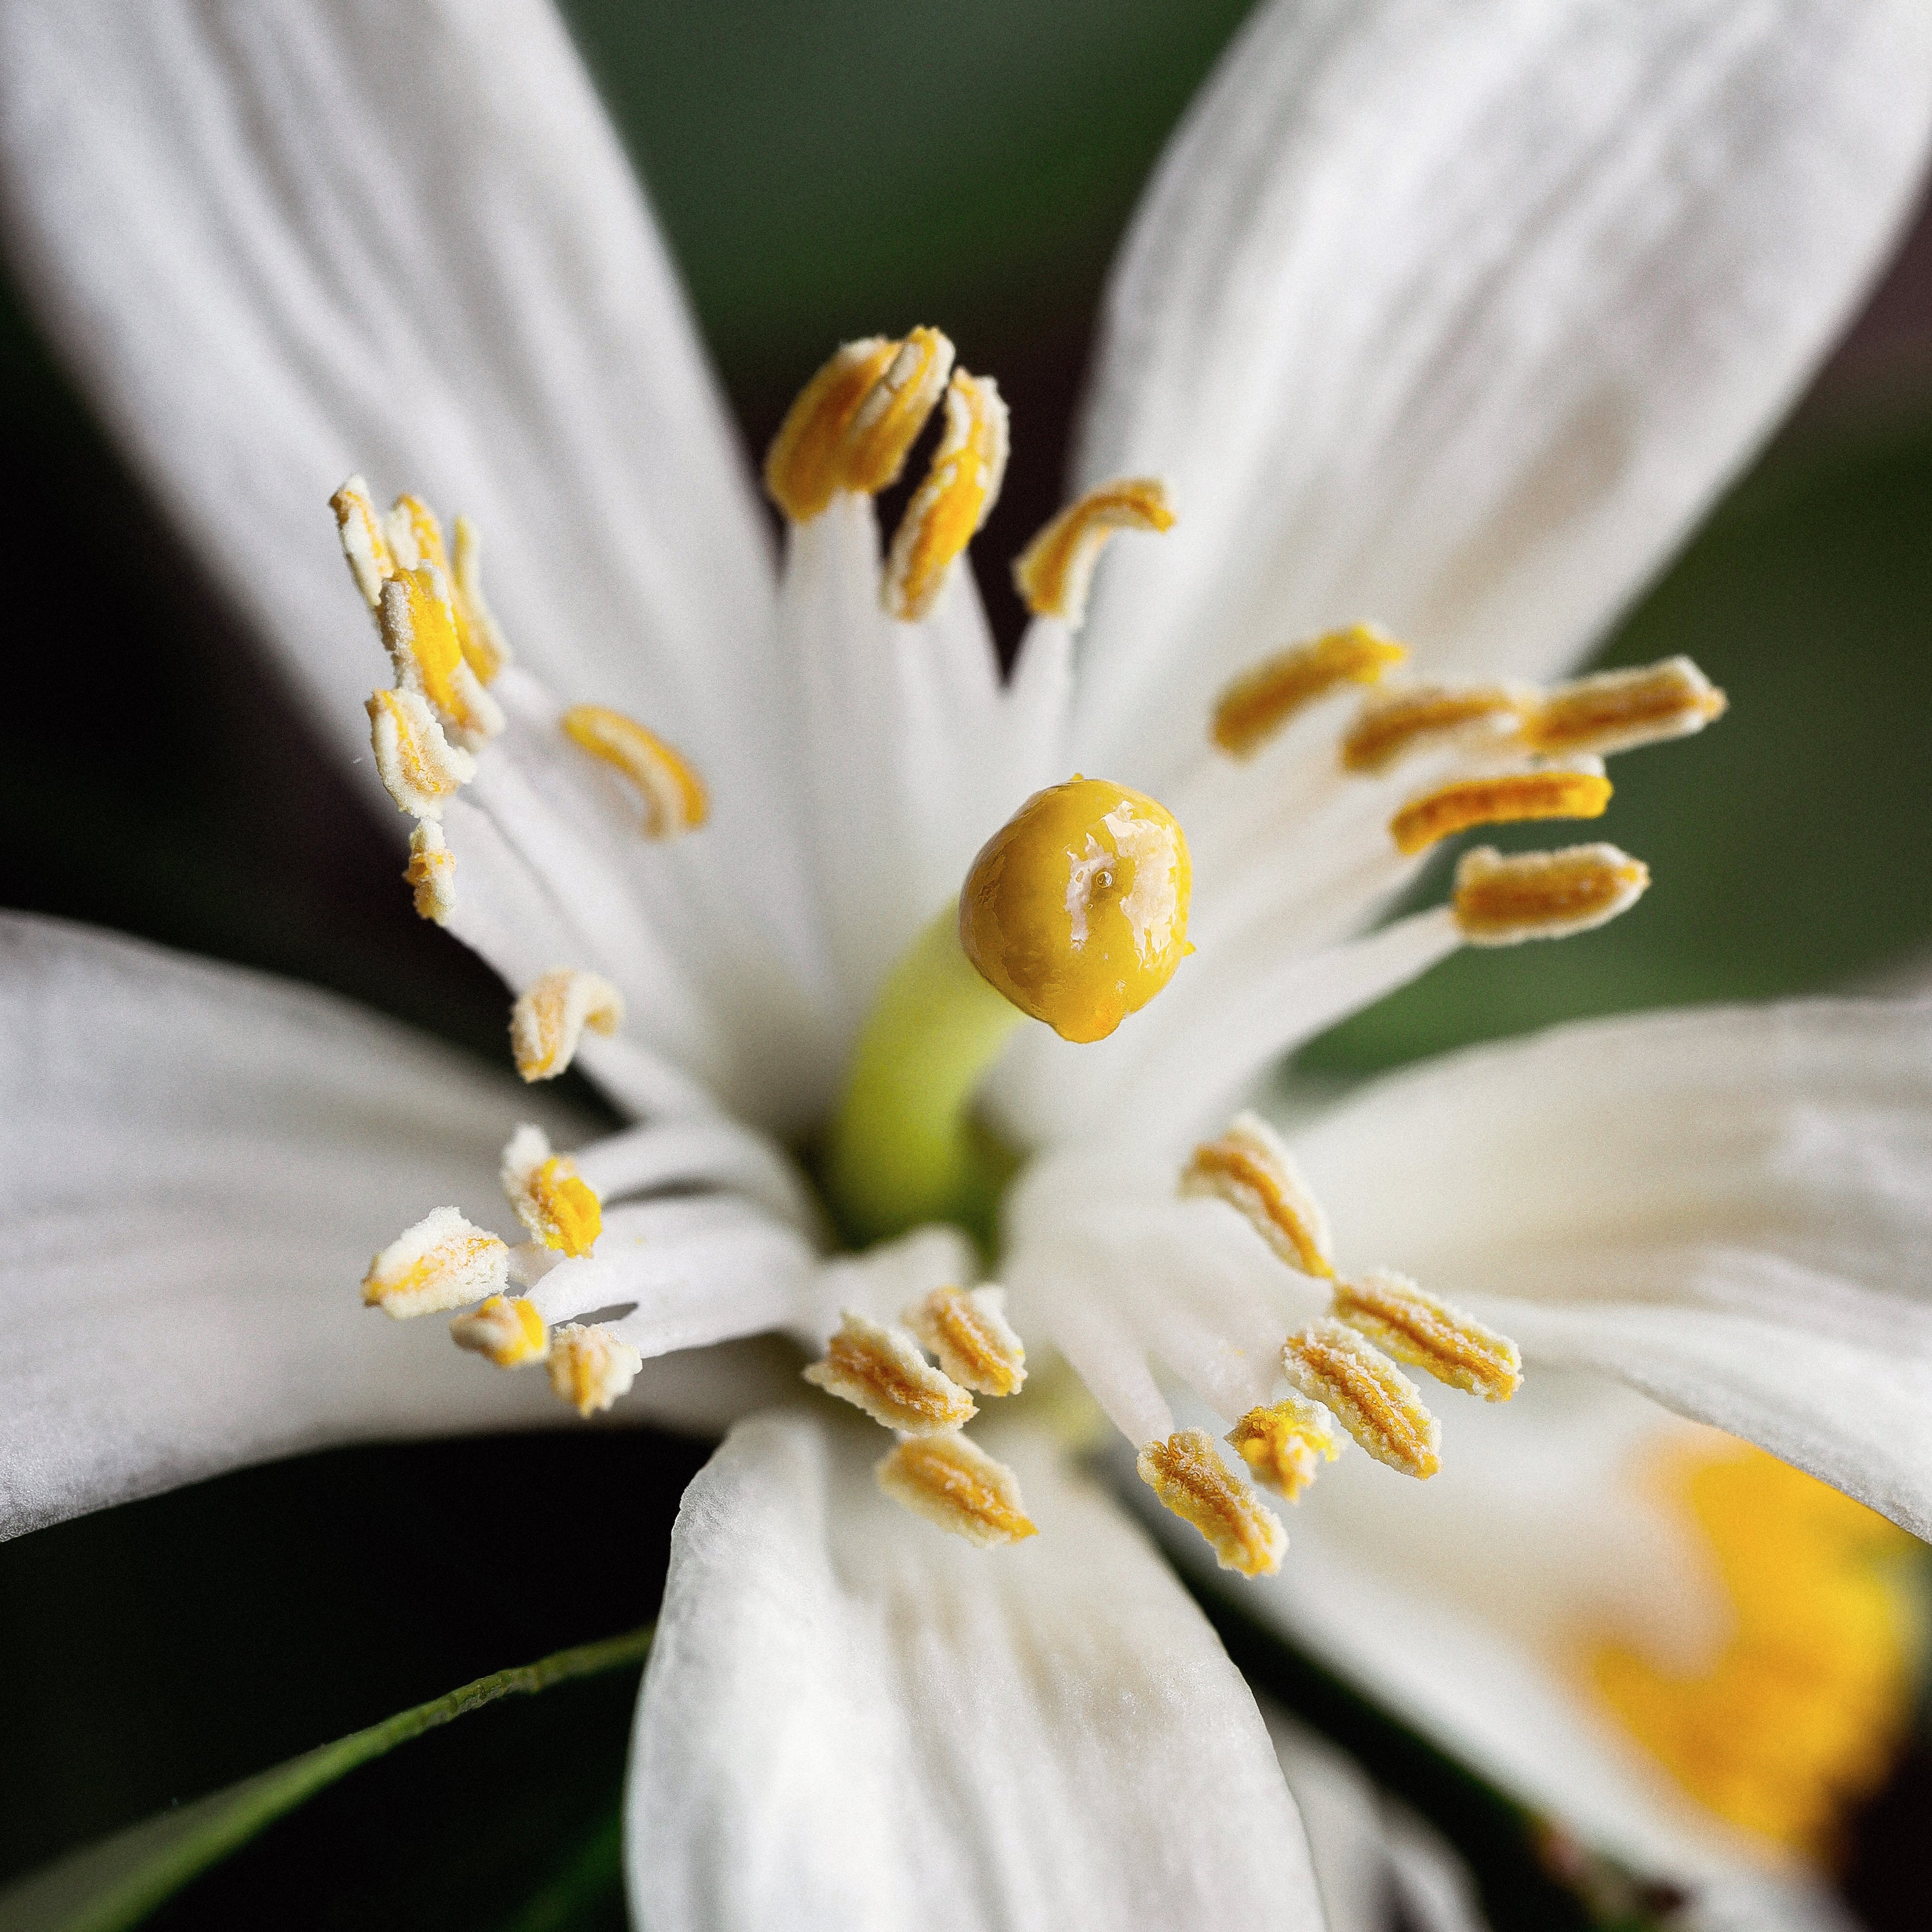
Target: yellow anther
x=1388 y=728
x=951 y=1481
x=1374 y=1402
x=547 y=1021
x=485 y=649
x=957 y=496
x=1055 y=572
x=558 y=1207
x=1076 y=909
x=1615 y=710
x=363 y=541
x=418 y=623
x=416 y=536
x=967 y=1331
x=1188 y=1476
x=1543 y=895
x=1286 y=1445
x=1251 y=1169
x=880 y=1370
x=591 y=1367
x=506 y=1329
x=432 y=871
x=419 y=767
x=886 y=424
x=1499 y=800
x=442 y=1262
x=671 y=791
x=1428 y=1332
x=1261 y=701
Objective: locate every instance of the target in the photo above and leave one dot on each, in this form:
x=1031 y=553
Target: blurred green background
x=823 y=170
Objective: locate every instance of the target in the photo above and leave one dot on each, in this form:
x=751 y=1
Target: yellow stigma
x=1377 y=1404
x=1389 y=727
x=1286 y=1445
x=1616 y=710
x=1262 y=700
x=1055 y=572
x=957 y=496
x=591 y=1367
x=880 y=1370
x=558 y=1207
x=1428 y=1332
x=420 y=769
x=1251 y=1169
x=852 y=424
x=966 y=1331
x=1501 y=800
x=506 y=1329
x=953 y=1482
x=432 y=872
x=548 y=1020
x=442 y=1262
x=1076 y=909
x=1803 y=1711
x=418 y=626
x=671 y=792
x=1499 y=902
x=1190 y=1478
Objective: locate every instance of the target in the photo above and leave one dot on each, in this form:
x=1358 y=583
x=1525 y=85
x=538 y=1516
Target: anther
x=442 y=1262
x=1499 y=902
x=886 y=424
x=1286 y=1445
x=552 y=1201
x=880 y=1370
x=957 y=496
x=1076 y=909
x=507 y=1329
x=672 y=793
x=363 y=542
x=1374 y=1402
x=1388 y=728
x=419 y=767
x=948 y=1480
x=966 y=1331
x=418 y=625
x=1251 y=1169
x=432 y=871
x=1188 y=1476
x=1428 y=1332
x=591 y=1367
x=1054 y=573
x=1616 y=710
x=485 y=649
x=548 y=1020
x=1575 y=791
x=1262 y=700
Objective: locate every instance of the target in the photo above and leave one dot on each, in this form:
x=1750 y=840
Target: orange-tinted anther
x=432 y=872
x=441 y=1263
x=364 y=543
x=1054 y=573
x=506 y=1329
x=872 y=452
x=966 y=1331
x=1404 y=721
x=803 y=470
x=1379 y=1406
x=959 y=494
x=951 y=1481
x=1285 y=1445
x=1500 y=800
x=1262 y=700
x=667 y=785
x=1617 y=710
x=552 y=1200
x=1430 y=1333
x=1250 y=1168
x=1188 y=1476
x=1498 y=902
x=547 y=1021
x=880 y=1370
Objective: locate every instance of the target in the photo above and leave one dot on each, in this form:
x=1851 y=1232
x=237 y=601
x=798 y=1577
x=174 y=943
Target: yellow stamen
x=1286 y=1445
x=957 y=496
x=1389 y=727
x=1428 y=1332
x=880 y=1370
x=967 y=1331
x=671 y=792
x=591 y=1367
x=1055 y=572
x=419 y=767
x=558 y=1207
x=951 y=1481
x=1261 y=701
x=363 y=542
x=432 y=871
x=442 y=1262
x=485 y=649
x=1190 y=1478
x=886 y=424
x=1076 y=909
x=1251 y=1169
x=1501 y=800
x=1499 y=902
x=1805 y=1708
x=547 y=1021
x=507 y=1329
x=418 y=624
x=1615 y=710
x=1374 y=1402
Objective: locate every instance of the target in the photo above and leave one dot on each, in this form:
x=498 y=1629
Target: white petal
x=849 y=1719
x=198 y=1163
x=1730 y=1208
x=1455 y=318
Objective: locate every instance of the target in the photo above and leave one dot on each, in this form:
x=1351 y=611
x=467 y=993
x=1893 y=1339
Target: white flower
x=1454 y=317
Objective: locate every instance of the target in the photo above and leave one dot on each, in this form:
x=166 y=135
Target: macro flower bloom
x=1449 y=320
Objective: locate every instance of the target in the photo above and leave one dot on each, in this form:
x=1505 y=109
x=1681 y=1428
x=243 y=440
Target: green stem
x=903 y=1148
